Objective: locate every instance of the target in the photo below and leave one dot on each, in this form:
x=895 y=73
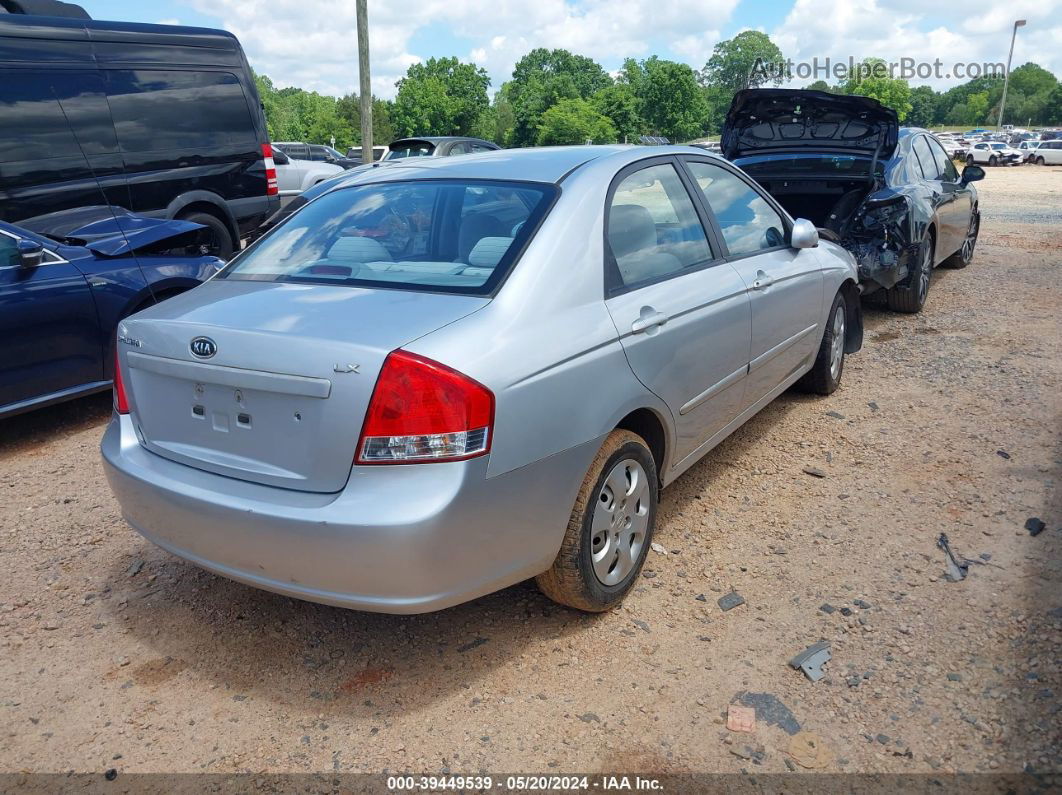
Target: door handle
x=647 y=320
x=762 y=281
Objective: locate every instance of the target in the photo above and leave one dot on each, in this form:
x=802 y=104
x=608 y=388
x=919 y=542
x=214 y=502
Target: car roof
x=438 y=139
x=548 y=164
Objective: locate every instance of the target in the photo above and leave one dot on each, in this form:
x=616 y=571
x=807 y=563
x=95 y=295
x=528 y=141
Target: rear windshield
x=410 y=149
x=439 y=235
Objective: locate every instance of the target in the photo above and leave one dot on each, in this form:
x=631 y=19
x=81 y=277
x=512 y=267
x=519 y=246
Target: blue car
x=63 y=293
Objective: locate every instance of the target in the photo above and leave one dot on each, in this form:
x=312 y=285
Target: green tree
x=504 y=120
x=574 y=121
x=349 y=109
x=923 y=107
x=620 y=105
x=871 y=79
x=744 y=61
x=1052 y=110
x=819 y=85
x=671 y=102
x=441 y=96
x=541 y=79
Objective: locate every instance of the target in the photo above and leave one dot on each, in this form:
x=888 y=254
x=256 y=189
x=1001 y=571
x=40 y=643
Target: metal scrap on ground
x=811 y=660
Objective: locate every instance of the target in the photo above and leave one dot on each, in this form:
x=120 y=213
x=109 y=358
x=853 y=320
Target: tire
x=909 y=296
x=574 y=580
x=970 y=160
x=1040 y=161
x=993 y=161
x=220 y=243
x=825 y=375
x=964 y=256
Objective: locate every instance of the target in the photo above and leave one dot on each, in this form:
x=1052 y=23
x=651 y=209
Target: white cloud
x=895 y=29
x=313 y=43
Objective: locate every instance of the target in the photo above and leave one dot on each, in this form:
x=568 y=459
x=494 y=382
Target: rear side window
x=157 y=110
x=748 y=222
x=440 y=235
x=653 y=228
x=410 y=149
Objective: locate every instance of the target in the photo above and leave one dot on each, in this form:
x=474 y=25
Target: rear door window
x=930 y=169
x=653 y=228
x=158 y=110
x=439 y=235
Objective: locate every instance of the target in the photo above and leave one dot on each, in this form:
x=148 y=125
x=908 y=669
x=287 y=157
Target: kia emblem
x=203 y=347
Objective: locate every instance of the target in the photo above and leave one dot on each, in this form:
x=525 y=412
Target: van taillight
x=121 y=402
x=272 y=188
x=423 y=411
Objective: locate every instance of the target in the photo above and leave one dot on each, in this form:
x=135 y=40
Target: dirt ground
x=117 y=655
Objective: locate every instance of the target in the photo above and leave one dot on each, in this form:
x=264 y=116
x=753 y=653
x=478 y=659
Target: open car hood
x=114 y=231
x=785 y=120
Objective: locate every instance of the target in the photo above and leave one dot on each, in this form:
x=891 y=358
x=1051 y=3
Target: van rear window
x=157 y=110
x=439 y=235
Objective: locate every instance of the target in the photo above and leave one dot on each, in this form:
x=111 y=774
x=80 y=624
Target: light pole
x=366 y=85
x=1006 y=76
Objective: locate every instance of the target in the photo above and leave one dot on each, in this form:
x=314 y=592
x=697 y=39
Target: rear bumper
x=397 y=539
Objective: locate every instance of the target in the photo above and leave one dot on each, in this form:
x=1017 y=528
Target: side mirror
x=804 y=234
x=279 y=158
x=972 y=174
x=30 y=253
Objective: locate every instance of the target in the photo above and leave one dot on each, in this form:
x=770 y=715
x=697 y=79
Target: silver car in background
x=459 y=373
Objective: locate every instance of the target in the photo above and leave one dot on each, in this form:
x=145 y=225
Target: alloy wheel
x=837 y=343
x=970 y=242
x=621 y=522
x=925 y=271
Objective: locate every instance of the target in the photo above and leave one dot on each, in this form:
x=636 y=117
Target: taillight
x=424 y=411
x=121 y=402
x=272 y=188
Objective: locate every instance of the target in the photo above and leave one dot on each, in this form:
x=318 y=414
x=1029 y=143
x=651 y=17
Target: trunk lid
x=776 y=120
x=281 y=399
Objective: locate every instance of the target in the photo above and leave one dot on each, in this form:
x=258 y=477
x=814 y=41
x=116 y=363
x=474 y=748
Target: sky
x=313 y=43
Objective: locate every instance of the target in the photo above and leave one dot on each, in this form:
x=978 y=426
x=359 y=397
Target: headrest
x=358 y=249
x=630 y=229
x=487 y=253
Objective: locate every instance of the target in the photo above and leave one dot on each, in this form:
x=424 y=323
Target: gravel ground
x=115 y=654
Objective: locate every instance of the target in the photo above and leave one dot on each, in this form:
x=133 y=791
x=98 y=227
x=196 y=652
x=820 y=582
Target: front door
x=49 y=327
x=682 y=312
x=785 y=284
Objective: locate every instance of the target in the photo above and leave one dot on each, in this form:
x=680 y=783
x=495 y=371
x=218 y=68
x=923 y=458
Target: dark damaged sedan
x=891 y=196
x=65 y=284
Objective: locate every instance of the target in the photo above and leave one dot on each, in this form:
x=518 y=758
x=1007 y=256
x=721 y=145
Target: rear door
x=48 y=324
x=785 y=284
x=681 y=311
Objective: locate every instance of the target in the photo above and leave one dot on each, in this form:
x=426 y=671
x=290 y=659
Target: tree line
x=558 y=97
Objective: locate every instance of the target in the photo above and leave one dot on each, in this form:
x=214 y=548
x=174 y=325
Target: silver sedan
x=453 y=375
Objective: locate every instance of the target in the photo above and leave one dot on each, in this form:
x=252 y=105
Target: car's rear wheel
x=218 y=238
x=610 y=528
x=910 y=295
x=961 y=258
x=825 y=375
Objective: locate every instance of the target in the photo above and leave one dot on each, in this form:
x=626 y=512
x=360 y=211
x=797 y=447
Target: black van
x=165 y=119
